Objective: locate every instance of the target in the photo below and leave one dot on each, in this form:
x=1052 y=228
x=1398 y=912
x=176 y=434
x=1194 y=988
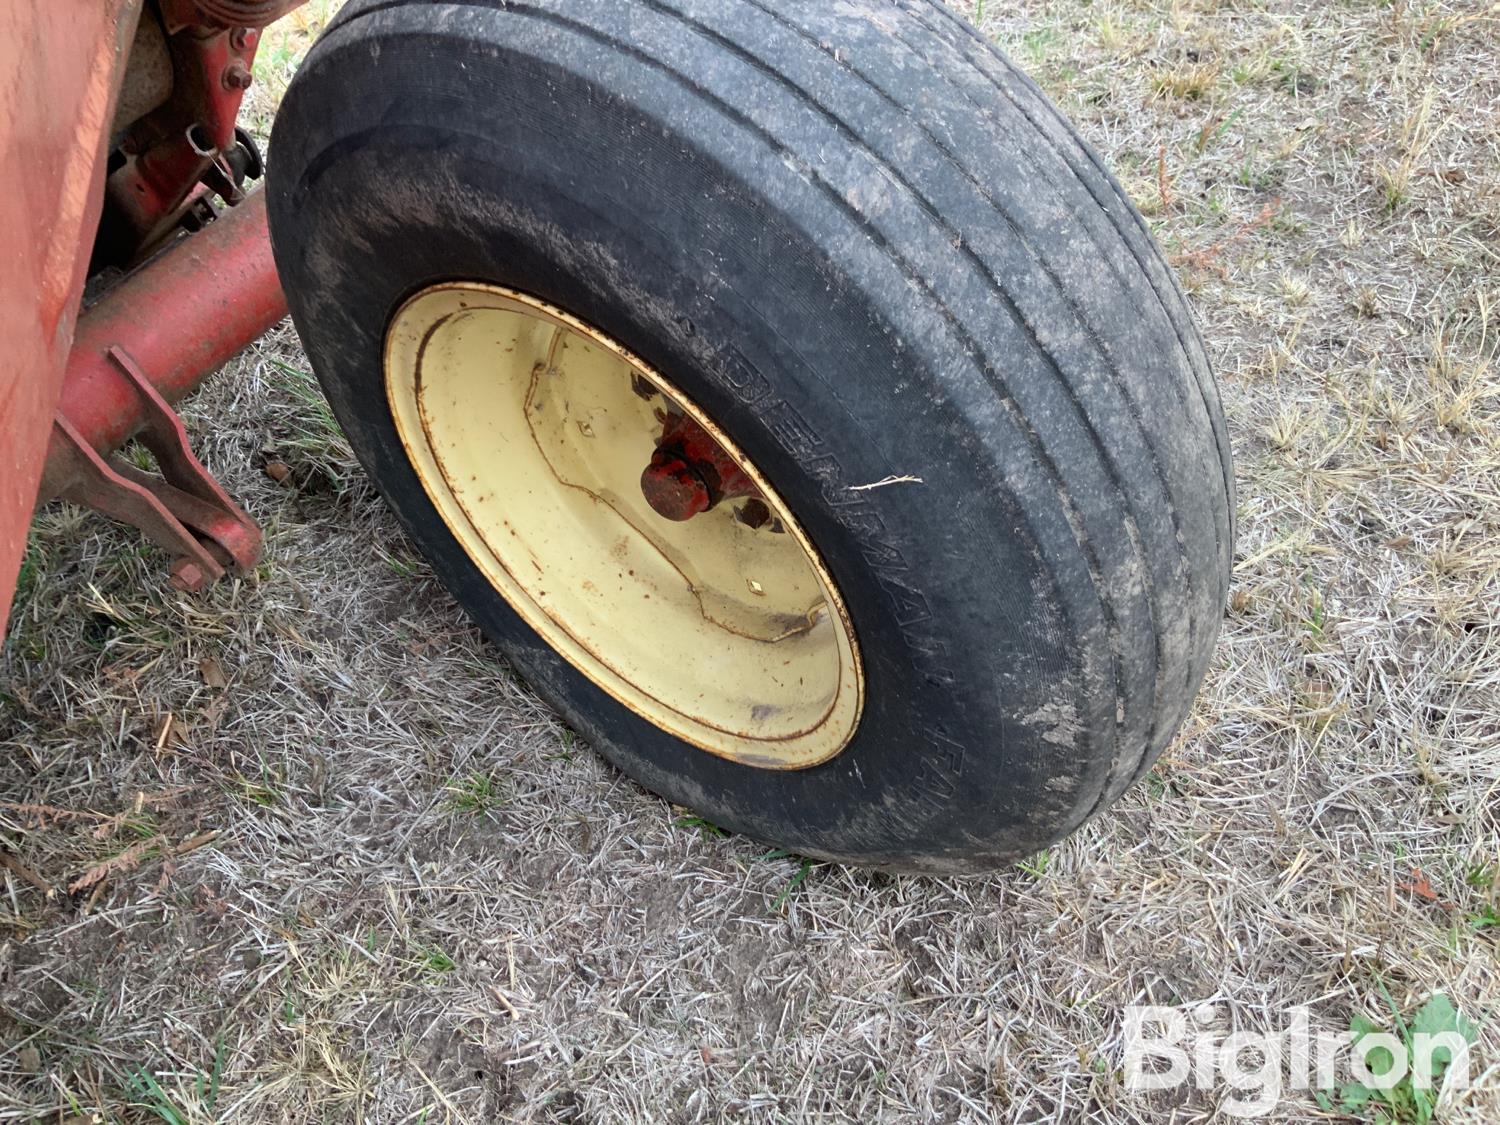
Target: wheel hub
x=675 y=489
x=690 y=473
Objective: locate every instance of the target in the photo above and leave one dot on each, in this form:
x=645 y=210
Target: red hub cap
x=673 y=489
x=690 y=473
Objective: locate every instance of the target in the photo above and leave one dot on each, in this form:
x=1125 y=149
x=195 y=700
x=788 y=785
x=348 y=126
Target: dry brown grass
x=426 y=901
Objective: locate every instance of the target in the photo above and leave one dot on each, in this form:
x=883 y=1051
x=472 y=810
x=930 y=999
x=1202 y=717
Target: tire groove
x=1168 y=300
x=1182 y=571
x=1188 y=340
x=977 y=354
x=1179 y=387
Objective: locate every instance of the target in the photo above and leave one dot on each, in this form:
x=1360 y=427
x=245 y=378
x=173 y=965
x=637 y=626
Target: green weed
x=474 y=795
x=1405 y=1102
x=792 y=884
x=143 y=1088
x=1037 y=865
x=708 y=829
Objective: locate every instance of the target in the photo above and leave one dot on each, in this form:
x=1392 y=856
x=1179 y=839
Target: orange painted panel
x=60 y=67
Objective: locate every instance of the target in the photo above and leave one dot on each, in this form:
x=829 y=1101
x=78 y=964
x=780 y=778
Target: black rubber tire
x=868 y=246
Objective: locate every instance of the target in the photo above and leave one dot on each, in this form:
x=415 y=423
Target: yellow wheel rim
x=529 y=431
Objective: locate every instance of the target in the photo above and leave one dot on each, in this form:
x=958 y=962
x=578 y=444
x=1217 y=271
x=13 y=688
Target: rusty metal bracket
x=183 y=510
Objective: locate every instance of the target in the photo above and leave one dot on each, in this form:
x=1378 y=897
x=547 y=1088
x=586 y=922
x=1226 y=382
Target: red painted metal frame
x=60 y=68
x=183 y=509
x=147 y=344
x=69 y=399
x=172 y=151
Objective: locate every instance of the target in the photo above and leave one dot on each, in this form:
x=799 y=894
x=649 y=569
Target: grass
x=709 y=830
x=428 y=900
x=145 y=1091
x=478 y=793
x=1404 y=1101
x=804 y=869
x=435 y=963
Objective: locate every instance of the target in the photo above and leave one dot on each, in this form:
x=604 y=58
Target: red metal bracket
x=183 y=510
x=181 y=150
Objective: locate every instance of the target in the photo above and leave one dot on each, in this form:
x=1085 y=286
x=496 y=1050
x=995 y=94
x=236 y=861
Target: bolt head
x=188 y=576
x=237 y=76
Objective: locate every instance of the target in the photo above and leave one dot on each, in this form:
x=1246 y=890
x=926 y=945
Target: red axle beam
x=180 y=317
x=146 y=344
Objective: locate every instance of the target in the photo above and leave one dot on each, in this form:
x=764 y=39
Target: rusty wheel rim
x=623 y=525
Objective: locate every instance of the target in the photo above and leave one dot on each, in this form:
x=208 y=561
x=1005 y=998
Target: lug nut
x=754 y=514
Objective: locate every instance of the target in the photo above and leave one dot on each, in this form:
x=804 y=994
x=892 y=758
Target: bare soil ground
x=308 y=834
